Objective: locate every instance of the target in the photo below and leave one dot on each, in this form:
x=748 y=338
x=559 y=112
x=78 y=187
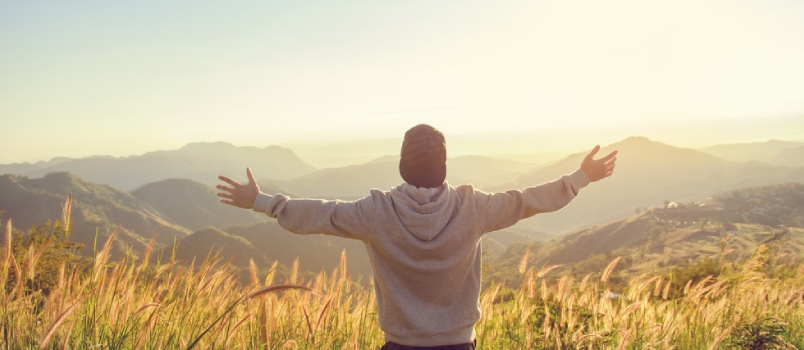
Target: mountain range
x=187 y=211
x=201 y=162
x=773 y=152
x=355 y=181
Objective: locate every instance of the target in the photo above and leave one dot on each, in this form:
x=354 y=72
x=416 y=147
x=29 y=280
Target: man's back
x=424 y=247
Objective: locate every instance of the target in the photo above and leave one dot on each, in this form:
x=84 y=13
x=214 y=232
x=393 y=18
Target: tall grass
x=128 y=304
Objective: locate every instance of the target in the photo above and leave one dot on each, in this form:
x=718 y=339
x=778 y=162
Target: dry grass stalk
x=524 y=262
x=658 y=289
x=55 y=325
x=687 y=288
x=584 y=282
x=148 y=248
x=294 y=272
x=624 y=342
x=149 y=305
x=666 y=291
x=307 y=318
x=66 y=210
x=103 y=255
x=588 y=337
x=323 y=312
x=546 y=270
x=609 y=270
x=8 y=247
x=278 y=288
x=253 y=267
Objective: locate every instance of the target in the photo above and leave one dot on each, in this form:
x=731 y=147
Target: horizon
x=94 y=78
x=343 y=153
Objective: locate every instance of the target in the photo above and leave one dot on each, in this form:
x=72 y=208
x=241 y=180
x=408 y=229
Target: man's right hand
x=239 y=195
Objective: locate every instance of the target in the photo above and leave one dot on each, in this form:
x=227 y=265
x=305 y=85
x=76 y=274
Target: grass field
x=130 y=304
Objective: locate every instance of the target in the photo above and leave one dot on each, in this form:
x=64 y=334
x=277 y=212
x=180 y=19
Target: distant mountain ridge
x=22 y=168
x=790 y=157
x=767 y=152
x=355 y=181
x=200 y=162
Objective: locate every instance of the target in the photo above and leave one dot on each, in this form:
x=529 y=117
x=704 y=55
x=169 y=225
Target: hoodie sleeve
x=309 y=216
x=496 y=211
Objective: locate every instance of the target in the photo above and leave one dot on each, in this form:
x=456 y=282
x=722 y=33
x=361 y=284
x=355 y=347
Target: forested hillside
x=192 y=205
x=726 y=229
x=96 y=208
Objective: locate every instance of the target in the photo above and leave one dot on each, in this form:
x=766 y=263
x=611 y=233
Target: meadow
x=133 y=304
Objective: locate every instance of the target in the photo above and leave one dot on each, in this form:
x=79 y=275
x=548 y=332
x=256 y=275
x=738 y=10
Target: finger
x=609 y=156
x=593 y=152
x=608 y=174
x=250 y=176
x=611 y=161
x=227 y=201
x=225 y=195
x=229 y=181
x=225 y=188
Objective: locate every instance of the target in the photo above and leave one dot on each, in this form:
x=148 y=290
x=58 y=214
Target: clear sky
x=107 y=77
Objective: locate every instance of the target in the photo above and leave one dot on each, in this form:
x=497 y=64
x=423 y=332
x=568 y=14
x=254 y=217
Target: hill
x=727 y=228
x=33 y=201
x=756 y=151
x=790 y=157
x=350 y=182
x=647 y=173
x=485 y=172
x=181 y=210
x=193 y=205
x=201 y=162
x=355 y=181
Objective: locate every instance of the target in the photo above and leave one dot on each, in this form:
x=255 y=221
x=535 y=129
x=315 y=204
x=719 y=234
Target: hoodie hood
x=423 y=211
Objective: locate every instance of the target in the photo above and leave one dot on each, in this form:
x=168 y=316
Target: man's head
x=424 y=157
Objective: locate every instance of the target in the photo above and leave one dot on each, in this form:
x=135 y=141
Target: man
x=422 y=237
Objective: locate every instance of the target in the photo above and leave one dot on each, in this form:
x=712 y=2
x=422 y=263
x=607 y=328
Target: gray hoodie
x=424 y=247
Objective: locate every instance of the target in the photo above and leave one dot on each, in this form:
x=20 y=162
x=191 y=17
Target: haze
x=518 y=78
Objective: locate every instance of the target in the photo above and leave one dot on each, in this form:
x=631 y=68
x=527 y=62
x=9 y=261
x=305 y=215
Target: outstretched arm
x=301 y=216
x=496 y=211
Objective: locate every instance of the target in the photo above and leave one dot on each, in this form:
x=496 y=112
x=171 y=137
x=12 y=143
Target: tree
x=40 y=253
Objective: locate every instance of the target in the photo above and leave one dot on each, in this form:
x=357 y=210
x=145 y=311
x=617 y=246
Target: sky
x=83 y=78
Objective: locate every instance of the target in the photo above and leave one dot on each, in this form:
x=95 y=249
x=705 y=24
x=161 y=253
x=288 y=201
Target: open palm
x=239 y=195
x=597 y=169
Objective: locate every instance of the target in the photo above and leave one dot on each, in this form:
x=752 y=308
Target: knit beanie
x=424 y=157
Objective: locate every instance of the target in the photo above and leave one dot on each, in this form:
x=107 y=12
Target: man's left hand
x=239 y=195
x=597 y=169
